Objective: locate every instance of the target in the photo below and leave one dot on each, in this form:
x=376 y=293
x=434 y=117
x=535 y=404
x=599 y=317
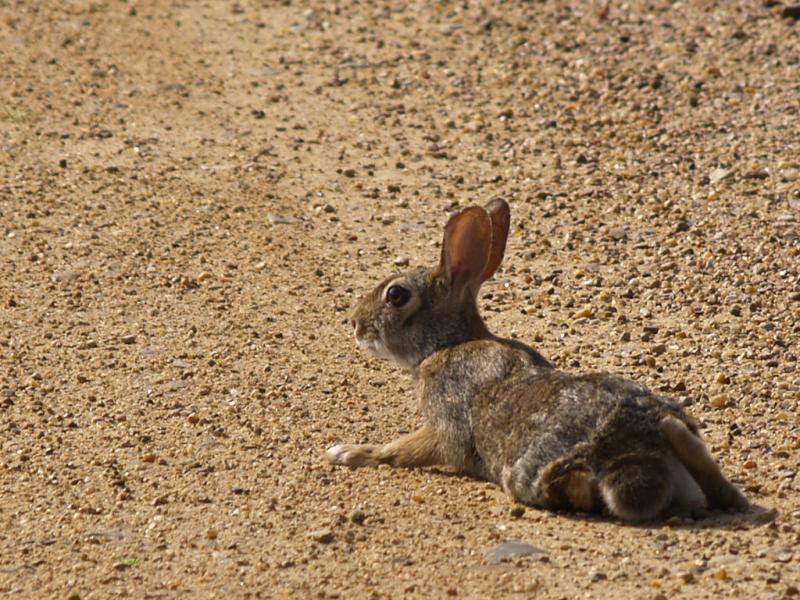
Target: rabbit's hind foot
x=557 y=486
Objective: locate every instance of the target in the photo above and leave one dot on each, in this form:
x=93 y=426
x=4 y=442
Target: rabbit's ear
x=466 y=248
x=500 y=215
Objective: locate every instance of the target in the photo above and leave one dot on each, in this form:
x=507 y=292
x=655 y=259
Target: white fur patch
x=686 y=492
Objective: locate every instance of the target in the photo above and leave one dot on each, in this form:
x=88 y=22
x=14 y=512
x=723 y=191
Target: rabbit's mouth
x=373 y=346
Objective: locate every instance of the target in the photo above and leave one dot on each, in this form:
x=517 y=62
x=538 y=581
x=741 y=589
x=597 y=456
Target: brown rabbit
x=497 y=410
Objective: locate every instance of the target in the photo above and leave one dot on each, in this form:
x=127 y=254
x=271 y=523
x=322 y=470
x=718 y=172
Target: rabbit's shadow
x=756 y=516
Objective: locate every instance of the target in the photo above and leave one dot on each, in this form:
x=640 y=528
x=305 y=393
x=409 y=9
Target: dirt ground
x=194 y=194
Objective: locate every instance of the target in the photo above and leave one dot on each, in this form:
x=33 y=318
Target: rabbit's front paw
x=352 y=455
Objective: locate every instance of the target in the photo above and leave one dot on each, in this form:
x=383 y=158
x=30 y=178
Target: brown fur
x=497 y=410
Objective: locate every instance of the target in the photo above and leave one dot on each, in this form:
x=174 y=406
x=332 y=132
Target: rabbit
x=497 y=410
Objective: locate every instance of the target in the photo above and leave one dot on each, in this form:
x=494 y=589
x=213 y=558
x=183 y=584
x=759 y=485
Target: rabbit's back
x=542 y=415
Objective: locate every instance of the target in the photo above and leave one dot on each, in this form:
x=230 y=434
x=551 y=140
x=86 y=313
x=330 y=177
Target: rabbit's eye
x=397 y=295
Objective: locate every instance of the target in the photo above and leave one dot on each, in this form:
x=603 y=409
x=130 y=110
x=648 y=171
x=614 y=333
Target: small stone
x=718 y=175
x=782 y=554
x=358 y=516
x=659 y=349
x=790 y=175
x=719 y=401
x=128 y=339
x=212 y=534
x=596 y=576
x=509 y=550
x=721 y=574
x=179 y=363
x=401 y=261
x=149 y=458
x=387 y=219
x=791 y=591
x=63 y=276
x=682 y=226
x=686 y=577
x=791 y=12
x=721 y=378
x=204 y=276
x=757 y=174
x=239 y=491
x=283 y=220
x=618 y=233
x=736 y=310
x=625 y=337
x=160 y=501
x=749 y=464
x=584 y=313
x=323 y=536
x=349 y=173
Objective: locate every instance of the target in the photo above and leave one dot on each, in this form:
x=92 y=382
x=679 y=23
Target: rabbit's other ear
x=500 y=215
x=466 y=249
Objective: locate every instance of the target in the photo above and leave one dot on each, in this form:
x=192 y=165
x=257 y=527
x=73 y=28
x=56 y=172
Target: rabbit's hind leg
x=693 y=454
x=636 y=487
x=562 y=484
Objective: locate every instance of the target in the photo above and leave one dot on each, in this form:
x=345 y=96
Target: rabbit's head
x=411 y=315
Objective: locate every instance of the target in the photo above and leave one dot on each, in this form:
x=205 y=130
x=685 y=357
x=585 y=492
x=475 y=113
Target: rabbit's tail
x=636 y=487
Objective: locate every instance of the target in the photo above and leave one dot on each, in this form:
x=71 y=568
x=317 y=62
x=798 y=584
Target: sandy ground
x=194 y=194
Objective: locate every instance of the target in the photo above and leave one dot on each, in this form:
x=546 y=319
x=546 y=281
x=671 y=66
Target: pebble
x=401 y=261
x=791 y=12
x=618 y=233
x=719 y=401
x=509 y=550
x=584 y=313
x=387 y=219
x=128 y=339
x=323 y=536
x=358 y=516
x=718 y=175
x=659 y=349
x=61 y=276
x=283 y=220
x=212 y=534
